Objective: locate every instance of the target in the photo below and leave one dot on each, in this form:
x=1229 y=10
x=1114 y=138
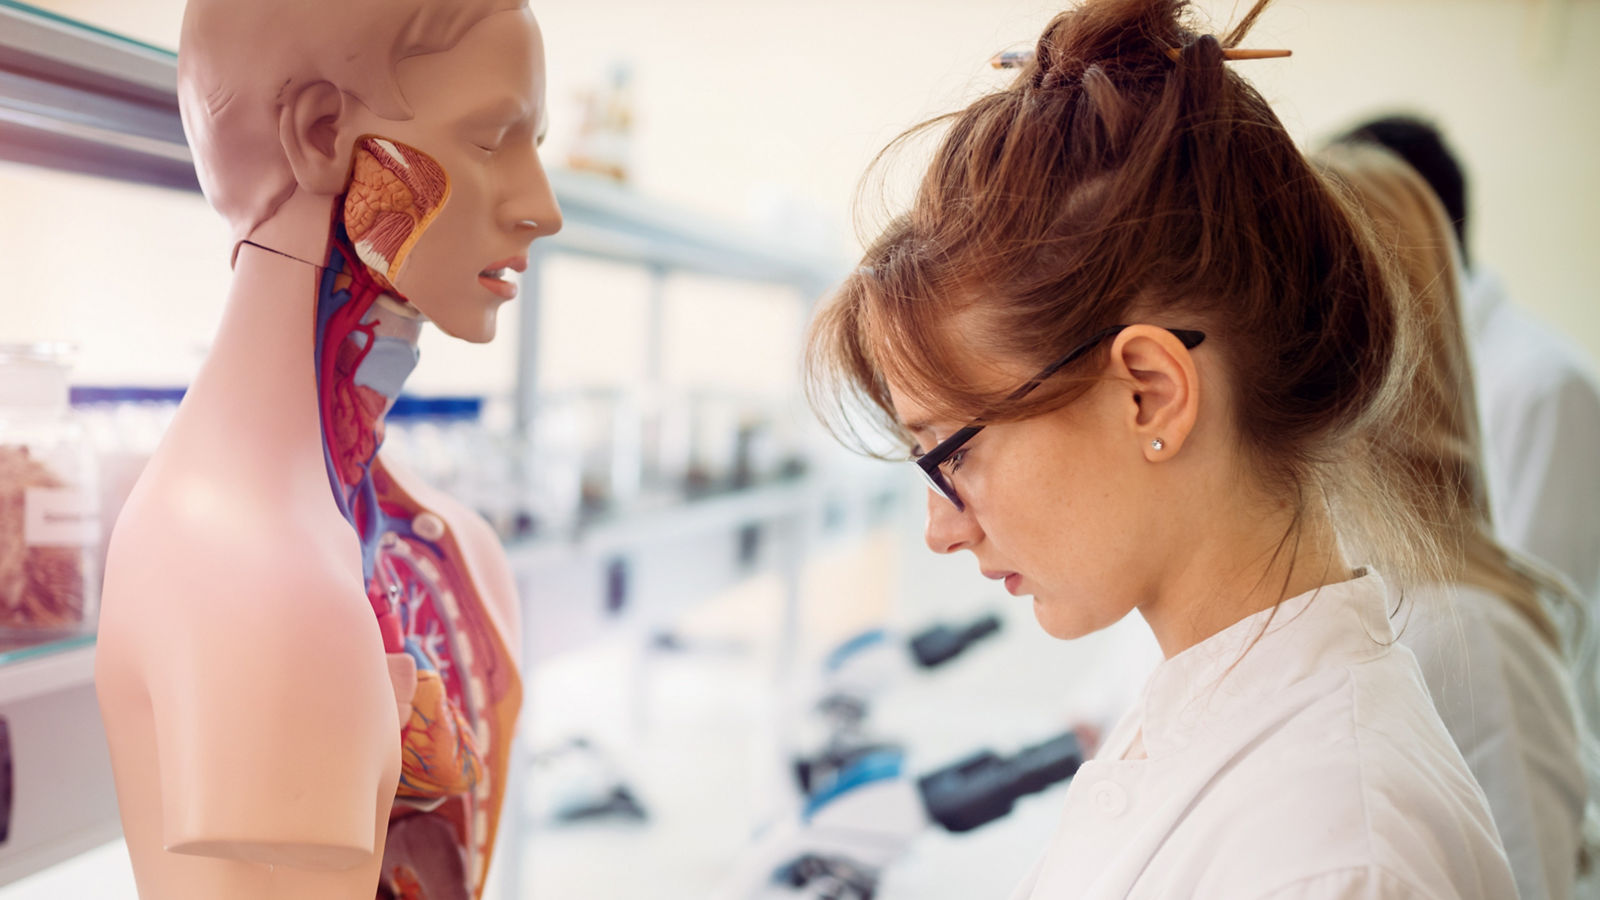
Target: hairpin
x=1016 y=59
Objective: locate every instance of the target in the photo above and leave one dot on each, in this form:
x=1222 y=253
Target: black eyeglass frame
x=930 y=462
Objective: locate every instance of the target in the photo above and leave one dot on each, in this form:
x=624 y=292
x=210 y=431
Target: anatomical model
x=307 y=663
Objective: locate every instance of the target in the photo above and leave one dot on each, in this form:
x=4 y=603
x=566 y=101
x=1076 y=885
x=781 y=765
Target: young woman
x=1487 y=645
x=1133 y=340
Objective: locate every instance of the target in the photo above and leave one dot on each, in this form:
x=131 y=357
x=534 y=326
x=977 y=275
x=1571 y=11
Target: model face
x=478 y=117
x=1055 y=508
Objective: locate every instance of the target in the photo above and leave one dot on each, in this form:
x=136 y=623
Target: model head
x=440 y=102
x=1129 y=176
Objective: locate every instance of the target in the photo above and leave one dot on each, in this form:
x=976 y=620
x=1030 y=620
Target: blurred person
x=1133 y=342
x=1537 y=394
x=1487 y=645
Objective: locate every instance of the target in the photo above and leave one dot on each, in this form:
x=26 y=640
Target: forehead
x=497 y=65
x=913 y=416
x=957 y=362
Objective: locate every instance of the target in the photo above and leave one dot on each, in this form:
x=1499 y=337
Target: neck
x=257 y=387
x=1239 y=565
x=365 y=348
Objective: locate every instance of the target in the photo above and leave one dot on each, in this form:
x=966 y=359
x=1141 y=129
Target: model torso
x=432 y=627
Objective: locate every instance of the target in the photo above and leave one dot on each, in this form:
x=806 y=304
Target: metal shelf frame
x=85 y=100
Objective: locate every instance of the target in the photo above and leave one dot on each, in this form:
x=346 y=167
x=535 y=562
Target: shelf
x=32 y=671
x=81 y=99
x=63 y=800
x=688 y=518
x=609 y=221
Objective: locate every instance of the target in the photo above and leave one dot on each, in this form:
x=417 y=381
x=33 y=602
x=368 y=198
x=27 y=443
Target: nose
x=530 y=207
x=950 y=529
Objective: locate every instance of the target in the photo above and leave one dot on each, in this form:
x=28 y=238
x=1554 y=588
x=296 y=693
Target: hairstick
x=1016 y=59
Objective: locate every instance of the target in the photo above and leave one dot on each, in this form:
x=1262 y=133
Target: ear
x=309 y=127
x=1165 y=388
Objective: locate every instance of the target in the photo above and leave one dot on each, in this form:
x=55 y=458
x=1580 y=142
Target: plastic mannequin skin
x=253 y=711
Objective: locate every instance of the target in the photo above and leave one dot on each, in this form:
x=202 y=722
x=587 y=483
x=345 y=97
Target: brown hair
x=1109 y=184
x=1437 y=438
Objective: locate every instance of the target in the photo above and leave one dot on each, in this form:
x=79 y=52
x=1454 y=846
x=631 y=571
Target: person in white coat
x=1489 y=649
x=1538 y=394
x=1133 y=340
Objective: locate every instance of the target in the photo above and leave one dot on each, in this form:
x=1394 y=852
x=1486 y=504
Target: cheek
x=1045 y=495
x=440 y=277
x=1063 y=516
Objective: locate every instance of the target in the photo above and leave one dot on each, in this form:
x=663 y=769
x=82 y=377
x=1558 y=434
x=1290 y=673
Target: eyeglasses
x=931 y=461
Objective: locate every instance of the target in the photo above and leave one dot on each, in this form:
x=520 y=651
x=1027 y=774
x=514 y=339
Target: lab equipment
x=850 y=832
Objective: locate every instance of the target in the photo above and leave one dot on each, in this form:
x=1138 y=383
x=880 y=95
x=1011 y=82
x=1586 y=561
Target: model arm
x=270 y=699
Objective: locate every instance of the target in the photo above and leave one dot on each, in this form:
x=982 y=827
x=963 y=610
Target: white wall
x=742 y=101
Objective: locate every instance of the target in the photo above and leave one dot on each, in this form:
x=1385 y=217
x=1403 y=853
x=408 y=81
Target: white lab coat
x=1506 y=698
x=1311 y=765
x=1539 y=403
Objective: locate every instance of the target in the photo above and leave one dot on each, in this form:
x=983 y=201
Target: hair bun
x=1060 y=75
x=1204 y=51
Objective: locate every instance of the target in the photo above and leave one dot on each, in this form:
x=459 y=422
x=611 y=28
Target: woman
x=1488 y=647
x=1132 y=339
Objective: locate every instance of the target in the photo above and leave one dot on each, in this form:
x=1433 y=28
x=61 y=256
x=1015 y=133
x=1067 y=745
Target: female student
x=1132 y=339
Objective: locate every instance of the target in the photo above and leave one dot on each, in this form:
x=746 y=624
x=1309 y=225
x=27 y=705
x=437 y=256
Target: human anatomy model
x=307 y=663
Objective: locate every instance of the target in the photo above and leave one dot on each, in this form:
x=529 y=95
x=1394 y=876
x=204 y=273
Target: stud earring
x=1157 y=444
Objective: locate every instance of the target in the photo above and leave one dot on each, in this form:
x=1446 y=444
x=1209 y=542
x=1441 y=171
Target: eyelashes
x=953 y=463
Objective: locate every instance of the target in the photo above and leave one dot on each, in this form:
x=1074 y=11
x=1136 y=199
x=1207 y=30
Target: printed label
x=59 y=517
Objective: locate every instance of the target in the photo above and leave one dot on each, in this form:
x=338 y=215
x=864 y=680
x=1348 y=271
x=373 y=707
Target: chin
x=480 y=330
x=1061 y=624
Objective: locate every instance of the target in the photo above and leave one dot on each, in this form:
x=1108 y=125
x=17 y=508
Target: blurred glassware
x=123 y=426
x=50 y=528
x=714 y=447
x=551 y=474
x=611 y=436
x=604 y=144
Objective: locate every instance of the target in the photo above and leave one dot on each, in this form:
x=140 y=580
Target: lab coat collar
x=1482 y=293
x=1199 y=691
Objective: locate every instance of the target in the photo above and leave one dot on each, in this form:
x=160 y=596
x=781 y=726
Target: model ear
x=308 y=128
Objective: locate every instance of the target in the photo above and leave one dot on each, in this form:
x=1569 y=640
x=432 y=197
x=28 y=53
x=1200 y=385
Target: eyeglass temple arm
x=1189 y=339
x=948 y=447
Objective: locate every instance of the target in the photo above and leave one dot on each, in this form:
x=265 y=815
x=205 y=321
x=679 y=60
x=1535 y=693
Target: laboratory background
x=723 y=610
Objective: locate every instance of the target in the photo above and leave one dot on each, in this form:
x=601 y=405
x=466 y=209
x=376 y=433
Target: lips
x=1012 y=580
x=497 y=277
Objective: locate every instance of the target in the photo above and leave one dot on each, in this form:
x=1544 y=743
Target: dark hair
x=1419 y=143
x=1131 y=174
